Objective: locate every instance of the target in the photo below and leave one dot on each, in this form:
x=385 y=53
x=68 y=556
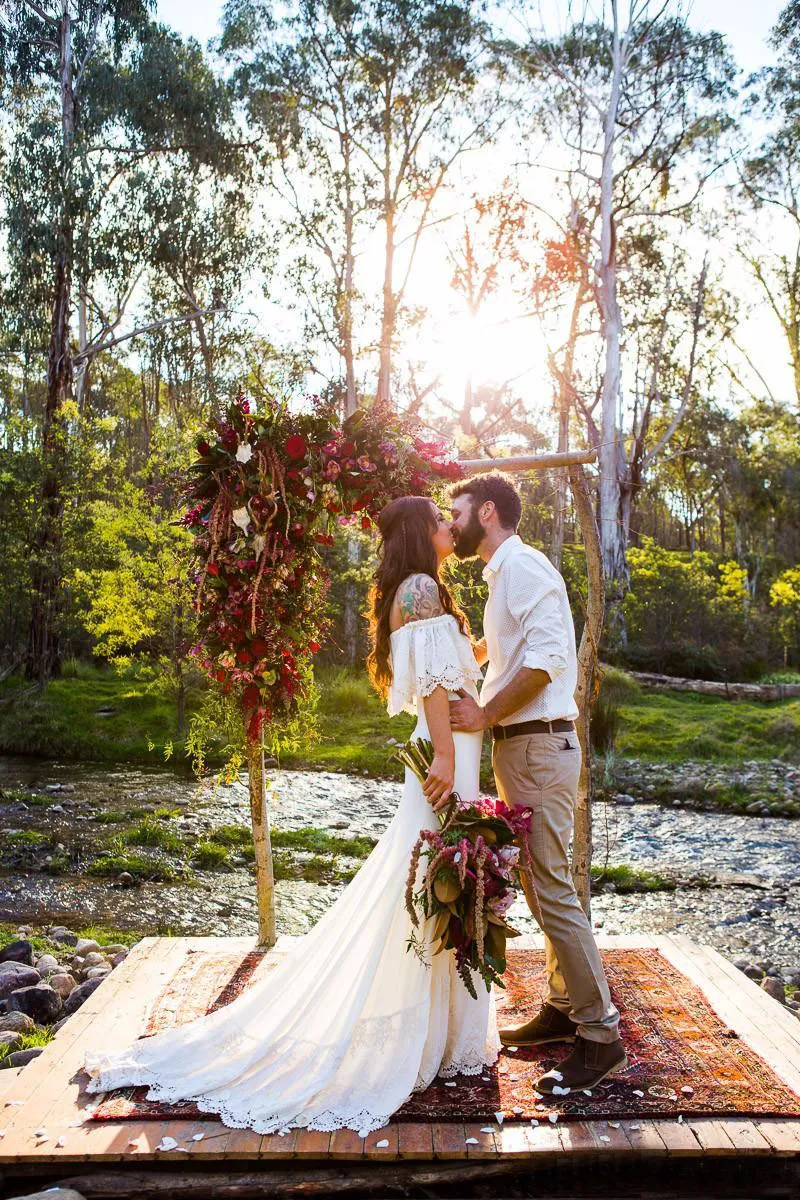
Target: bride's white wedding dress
x=348 y=1023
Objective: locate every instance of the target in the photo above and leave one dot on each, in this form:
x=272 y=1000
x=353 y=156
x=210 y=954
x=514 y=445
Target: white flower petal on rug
x=680 y=1118
x=40 y=1133
x=382 y=1144
x=555 y=1075
x=587 y=1091
x=634 y=1127
x=603 y=1137
x=10 y=1102
x=559 y=1091
x=512 y=1049
x=135 y=1141
x=517 y=1109
x=637 y=1092
x=534 y=1121
x=552 y=1118
x=499 y=1117
x=450 y=1083
x=2 y=1133
x=687 y=1091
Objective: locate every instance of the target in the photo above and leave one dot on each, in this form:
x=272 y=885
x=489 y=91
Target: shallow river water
x=739 y=876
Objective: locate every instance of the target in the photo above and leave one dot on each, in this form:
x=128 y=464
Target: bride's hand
x=438 y=783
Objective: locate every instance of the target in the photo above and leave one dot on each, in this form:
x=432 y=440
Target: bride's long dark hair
x=407 y=526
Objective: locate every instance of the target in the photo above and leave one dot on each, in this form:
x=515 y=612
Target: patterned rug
x=682 y=1058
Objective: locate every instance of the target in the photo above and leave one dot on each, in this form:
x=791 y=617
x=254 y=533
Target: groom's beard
x=468 y=539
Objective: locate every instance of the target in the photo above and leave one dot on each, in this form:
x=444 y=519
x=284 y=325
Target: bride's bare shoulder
x=416 y=599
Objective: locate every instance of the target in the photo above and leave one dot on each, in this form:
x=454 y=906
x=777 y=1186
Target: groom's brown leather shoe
x=584 y=1067
x=551 y=1025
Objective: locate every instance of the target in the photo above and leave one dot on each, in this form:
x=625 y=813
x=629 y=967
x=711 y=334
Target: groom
x=527 y=701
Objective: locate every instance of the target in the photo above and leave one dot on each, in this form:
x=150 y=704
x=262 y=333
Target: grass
x=115 y=860
x=25 y=837
x=355 y=730
x=627 y=880
x=29 y=1041
x=210 y=856
x=150 y=832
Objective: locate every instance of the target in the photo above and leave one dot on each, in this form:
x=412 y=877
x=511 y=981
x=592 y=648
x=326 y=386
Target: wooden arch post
x=573 y=462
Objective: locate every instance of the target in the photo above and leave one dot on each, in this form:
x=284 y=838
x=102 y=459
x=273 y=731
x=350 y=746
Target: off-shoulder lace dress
x=348 y=1023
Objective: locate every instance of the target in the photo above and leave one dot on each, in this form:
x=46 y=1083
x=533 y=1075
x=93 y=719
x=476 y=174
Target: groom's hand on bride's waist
x=466 y=715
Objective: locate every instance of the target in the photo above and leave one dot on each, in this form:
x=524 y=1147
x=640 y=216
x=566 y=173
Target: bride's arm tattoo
x=418 y=598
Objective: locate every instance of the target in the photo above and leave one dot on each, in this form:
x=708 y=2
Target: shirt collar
x=499 y=557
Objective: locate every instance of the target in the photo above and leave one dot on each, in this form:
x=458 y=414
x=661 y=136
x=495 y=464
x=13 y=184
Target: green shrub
x=150 y=832
x=209 y=856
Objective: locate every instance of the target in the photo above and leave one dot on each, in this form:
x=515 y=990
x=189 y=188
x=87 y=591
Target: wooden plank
x=782 y=1135
x=610 y=1139
x=55 y=1077
x=415 y=1140
x=711 y=1135
x=487 y=1143
x=645 y=1138
x=449 y=1141
x=678 y=1138
x=745 y=1135
x=388 y=1134
x=345 y=1143
x=576 y=1138
x=274 y=1146
x=239 y=1144
x=528 y=1141
x=312 y=1143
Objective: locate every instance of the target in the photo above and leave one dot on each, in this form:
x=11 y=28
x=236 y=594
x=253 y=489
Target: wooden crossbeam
x=528 y=462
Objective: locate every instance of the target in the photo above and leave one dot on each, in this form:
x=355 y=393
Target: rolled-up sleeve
x=534 y=602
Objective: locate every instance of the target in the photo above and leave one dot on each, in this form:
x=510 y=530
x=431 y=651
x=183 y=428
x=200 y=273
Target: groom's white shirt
x=527 y=622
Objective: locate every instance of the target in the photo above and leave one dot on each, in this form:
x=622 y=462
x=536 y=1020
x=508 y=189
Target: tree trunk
x=585 y=693
x=42 y=659
x=388 y=313
x=559 y=513
x=346 y=319
x=259 y=814
x=610 y=448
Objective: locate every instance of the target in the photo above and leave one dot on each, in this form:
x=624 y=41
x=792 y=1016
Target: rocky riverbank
x=764 y=788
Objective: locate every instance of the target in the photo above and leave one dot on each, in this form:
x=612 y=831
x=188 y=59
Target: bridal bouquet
x=473 y=864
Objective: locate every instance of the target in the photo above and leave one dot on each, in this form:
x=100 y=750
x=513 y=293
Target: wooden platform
x=110 y=1158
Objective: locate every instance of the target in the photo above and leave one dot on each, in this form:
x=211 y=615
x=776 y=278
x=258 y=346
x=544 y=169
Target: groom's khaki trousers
x=540 y=771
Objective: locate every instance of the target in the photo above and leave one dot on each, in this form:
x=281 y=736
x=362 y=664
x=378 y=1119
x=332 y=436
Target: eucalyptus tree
x=79 y=80
x=368 y=106
x=633 y=116
x=770 y=181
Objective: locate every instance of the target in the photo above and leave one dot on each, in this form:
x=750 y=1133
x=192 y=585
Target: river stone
x=63 y=983
x=86 y=946
x=98 y=972
x=774 y=987
x=82 y=992
x=93 y=959
x=60 y=933
x=21 y=1058
x=20 y=951
x=15 y=975
x=42 y=1003
x=115 y=951
x=16 y=1022
x=10 y=1039
x=46 y=964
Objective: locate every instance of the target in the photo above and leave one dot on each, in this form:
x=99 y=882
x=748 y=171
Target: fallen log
x=765 y=693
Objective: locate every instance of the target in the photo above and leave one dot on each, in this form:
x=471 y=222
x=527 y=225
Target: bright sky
x=504 y=349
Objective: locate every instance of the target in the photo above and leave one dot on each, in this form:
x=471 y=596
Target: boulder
x=20 y=951
x=16 y=1022
x=116 y=951
x=15 y=975
x=21 y=1058
x=10 y=1039
x=41 y=1003
x=82 y=992
x=774 y=987
x=93 y=959
x=63 y=983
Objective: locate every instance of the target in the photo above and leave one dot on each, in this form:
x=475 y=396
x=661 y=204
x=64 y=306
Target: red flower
x=296 y=446
x=258 y=647
x=366 y=523
x=213 y=569
x=251 y=696
x=220 y=676
x=203 y=448
x=244 y=656
x=314 y=647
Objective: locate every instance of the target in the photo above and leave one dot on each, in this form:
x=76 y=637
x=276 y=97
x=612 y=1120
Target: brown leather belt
x=501 y=732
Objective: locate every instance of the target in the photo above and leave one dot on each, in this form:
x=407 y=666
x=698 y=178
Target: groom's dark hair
x=497 y=488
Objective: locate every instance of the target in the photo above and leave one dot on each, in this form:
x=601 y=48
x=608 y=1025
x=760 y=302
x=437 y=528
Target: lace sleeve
x=426 y=655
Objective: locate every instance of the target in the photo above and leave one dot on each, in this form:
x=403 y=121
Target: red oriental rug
x=683 y=1058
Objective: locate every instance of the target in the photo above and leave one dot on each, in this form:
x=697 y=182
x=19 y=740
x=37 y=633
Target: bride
x=348 y=1023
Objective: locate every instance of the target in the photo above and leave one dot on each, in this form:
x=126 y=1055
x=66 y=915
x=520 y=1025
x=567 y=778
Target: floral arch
x=267 y=489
